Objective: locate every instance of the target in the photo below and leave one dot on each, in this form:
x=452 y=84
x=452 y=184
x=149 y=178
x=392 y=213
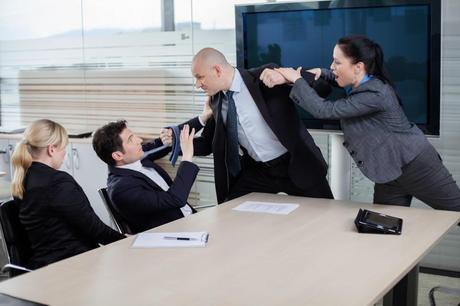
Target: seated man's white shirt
x=152 y=174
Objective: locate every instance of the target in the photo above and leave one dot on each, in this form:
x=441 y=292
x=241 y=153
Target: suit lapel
x=253 y=85
x=129 y=172
x=150 y=164
x=163 y=174
x=216 y=106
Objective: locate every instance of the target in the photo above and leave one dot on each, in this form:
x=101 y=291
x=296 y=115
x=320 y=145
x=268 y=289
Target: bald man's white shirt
x=254 y=134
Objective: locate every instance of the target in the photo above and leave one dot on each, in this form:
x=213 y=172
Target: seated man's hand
x=272 y=78
x=166 y=136
x=207 y=111
x=186 y=143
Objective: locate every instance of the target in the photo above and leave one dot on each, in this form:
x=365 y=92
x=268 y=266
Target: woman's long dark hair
x=362 y=49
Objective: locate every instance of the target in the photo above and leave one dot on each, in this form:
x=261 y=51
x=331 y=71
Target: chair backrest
x=120 y=222
x=14 y=235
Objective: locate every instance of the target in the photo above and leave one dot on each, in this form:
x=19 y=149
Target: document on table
x=267 y=207
x=171 y=240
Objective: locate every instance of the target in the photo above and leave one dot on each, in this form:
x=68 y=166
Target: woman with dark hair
x=387 y=148
x=54 y=210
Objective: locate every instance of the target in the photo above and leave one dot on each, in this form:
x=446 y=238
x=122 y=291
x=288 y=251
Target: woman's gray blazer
x=377 y=133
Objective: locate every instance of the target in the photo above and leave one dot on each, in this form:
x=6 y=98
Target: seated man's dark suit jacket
x=306 y=163
x=140 y=201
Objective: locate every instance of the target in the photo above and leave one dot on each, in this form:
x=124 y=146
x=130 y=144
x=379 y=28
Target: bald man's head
x=212 y=71
x=210 y=56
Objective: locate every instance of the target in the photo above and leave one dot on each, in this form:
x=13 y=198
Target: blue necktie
x=233 y=156
x=175 y=149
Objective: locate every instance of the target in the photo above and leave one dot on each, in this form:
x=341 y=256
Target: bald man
x=258 y=142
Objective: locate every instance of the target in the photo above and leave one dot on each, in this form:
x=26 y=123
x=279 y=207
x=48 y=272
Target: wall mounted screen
x=304 y=34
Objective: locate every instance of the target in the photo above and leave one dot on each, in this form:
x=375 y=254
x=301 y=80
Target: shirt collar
x=366 y=78
x=236 y=82
x=136 y=166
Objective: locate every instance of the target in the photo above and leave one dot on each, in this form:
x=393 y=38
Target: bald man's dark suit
x=307 y=168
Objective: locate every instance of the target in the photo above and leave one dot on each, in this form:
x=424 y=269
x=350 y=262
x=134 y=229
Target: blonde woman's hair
x=37 y=137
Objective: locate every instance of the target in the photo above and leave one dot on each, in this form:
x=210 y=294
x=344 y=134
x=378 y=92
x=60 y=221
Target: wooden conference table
x=313 y=256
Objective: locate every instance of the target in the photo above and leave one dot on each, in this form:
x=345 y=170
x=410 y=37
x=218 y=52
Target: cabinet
x=6 y=149
x=91 y=174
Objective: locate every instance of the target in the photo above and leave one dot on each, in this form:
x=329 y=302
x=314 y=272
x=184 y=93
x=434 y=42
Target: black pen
x=178 y=238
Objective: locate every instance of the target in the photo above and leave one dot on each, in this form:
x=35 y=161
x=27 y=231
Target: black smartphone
x=373 y=222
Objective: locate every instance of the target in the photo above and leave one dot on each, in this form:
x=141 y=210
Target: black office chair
x=441 y=289
x=15 y=239
x=120 y=222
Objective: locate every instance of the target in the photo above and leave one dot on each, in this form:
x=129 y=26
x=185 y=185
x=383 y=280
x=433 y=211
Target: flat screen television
x=304 y=34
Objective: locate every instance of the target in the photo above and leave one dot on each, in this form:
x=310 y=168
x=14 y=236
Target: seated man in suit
x=141 y=191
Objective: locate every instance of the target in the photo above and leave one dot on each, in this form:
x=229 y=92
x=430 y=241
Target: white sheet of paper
x=267 y=207
x=160 y=240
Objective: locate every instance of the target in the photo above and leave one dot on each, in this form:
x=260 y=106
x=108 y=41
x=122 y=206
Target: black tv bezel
x=434 y=74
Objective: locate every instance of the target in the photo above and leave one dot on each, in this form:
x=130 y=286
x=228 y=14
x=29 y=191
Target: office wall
x=84 y=63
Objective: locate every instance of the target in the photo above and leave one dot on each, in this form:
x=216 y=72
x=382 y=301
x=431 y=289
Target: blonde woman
x=54 y=210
